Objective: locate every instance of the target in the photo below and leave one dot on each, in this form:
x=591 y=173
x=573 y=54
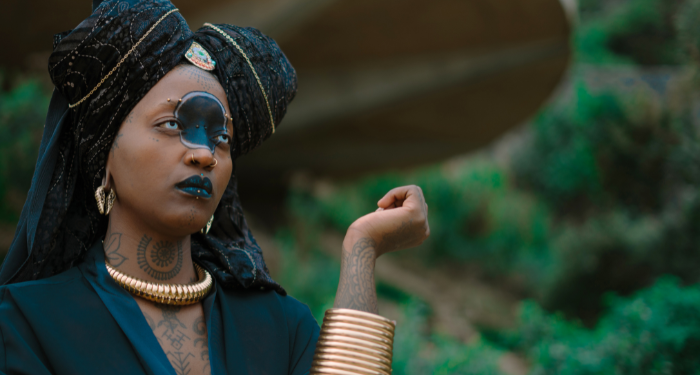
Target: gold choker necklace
x=169 y=294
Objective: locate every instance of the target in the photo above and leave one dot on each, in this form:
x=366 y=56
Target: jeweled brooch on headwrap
x=198 y=56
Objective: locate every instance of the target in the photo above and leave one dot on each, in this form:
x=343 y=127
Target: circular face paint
x=203 y=120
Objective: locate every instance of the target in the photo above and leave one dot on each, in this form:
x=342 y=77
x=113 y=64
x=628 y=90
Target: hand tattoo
x=402 y=237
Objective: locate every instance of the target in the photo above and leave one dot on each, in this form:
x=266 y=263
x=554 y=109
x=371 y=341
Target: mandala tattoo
x=162 y=261
x=163 y=254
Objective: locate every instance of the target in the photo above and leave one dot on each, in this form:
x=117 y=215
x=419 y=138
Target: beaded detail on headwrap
x=123 y=58
x=198 y=56
x=240 y=50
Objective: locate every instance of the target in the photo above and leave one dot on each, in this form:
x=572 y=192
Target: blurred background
x=557 y=143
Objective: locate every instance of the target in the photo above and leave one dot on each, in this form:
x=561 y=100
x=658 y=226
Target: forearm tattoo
x=356 y=289
x=162 y=260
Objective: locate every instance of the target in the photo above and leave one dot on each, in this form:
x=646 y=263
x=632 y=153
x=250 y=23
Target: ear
x=107 y=179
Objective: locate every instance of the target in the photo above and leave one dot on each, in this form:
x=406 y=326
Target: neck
x=146 y=254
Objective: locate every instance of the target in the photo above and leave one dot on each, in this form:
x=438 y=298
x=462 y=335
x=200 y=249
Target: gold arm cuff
x=369 y=364
x=353 y=342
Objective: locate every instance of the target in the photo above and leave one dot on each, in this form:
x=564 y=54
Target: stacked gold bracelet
x=354 y=343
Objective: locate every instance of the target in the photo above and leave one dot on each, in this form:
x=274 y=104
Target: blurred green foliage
x=628 y=32
x=601 y=196
x=22 y=112
x=654 y=331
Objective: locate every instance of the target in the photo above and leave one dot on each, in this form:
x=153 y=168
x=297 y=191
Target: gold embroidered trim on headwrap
x=269 y=111
x=122 y=60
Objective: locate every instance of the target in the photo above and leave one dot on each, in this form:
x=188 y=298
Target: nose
x=200 y=157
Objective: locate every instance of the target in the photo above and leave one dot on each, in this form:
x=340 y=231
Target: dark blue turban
x=101 y=70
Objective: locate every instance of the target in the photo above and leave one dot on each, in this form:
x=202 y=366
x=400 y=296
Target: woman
x=132 y=254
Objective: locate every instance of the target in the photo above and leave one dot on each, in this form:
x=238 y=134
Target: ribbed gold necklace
x=169 y=294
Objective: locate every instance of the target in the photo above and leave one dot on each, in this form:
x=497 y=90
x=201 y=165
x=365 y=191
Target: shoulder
x=30 y=312
x=41 y=290
x=39 y=294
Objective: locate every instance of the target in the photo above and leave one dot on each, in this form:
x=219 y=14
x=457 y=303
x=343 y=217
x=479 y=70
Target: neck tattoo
x=162 y=260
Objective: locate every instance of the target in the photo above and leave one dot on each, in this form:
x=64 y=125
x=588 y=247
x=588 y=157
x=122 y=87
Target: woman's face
x=170 y=162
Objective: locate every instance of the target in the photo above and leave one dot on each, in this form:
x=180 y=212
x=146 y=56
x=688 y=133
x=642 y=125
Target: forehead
x=182 y=80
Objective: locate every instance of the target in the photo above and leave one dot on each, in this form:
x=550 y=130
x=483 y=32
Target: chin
x=185 y=220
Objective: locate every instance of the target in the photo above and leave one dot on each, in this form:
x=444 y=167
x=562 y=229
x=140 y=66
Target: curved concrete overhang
x=382 y=83
x=387 y=84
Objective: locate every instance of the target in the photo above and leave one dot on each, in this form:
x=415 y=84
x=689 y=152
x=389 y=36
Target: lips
x=196 y=185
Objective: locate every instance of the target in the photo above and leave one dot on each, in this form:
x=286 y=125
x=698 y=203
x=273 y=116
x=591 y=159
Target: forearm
x=356 y=288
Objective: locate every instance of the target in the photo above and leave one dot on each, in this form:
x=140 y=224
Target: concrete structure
x=382 y=83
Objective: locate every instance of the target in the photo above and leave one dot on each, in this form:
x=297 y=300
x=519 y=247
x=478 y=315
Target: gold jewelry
x=354 y=342
x=205 y=230
x=122 y=60
x=169 y=294
x=199 y=56
x=215 y=163
x=100 y=198
x=193 y=161
x=110 y=201
x=240 y=50
x=102 y=206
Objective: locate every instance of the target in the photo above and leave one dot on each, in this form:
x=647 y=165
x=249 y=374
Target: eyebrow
x=160 y=106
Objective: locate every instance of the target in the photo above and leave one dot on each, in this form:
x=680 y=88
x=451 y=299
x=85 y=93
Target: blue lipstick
x=197 y=186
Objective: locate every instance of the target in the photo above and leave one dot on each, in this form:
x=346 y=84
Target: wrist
x=358 y=241
x=359 y=246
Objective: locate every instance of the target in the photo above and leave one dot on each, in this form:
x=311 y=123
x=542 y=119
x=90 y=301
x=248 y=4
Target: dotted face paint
x=203 y=120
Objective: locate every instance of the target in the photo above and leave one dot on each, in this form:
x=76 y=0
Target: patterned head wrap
x=101 y=70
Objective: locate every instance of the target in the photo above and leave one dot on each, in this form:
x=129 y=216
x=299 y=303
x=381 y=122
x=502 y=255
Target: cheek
x=223 y=175
x=141 y=163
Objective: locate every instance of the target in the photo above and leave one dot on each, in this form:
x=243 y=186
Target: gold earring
x=110 y=201
x=205 y=230
x=100 y=198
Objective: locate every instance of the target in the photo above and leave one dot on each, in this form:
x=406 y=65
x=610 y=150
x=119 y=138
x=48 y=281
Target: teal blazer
x=82 y=322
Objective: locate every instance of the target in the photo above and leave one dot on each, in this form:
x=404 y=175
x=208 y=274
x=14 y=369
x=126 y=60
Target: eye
x=173 y=125
x=223 y=138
